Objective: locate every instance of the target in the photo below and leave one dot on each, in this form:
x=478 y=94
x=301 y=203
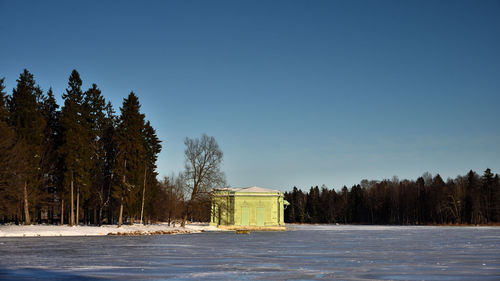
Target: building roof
x=250 y=189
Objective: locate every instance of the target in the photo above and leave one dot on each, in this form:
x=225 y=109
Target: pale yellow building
x=249 y=207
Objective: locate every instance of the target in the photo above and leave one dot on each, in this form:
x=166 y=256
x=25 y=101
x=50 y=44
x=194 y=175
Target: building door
x=245 y=216
x=260 y=216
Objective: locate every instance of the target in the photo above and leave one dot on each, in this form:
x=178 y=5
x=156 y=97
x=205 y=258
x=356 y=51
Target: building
x=249 y=208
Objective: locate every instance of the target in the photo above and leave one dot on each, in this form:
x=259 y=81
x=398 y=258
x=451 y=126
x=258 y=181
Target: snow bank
x=81 y=230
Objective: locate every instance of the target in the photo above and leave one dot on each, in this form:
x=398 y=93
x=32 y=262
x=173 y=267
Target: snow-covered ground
x=12 y=230
x=83 y=230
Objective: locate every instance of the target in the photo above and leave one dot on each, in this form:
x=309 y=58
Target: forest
x=82 y=162
x=468 y=199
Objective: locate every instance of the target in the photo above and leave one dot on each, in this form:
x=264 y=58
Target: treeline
x=81 y=163
x=469 y=199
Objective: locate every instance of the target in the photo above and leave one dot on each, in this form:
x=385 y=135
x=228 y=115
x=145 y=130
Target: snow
x=84 y=230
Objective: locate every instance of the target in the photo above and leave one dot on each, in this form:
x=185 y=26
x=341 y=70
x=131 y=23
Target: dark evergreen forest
x=79 y=163
x=469 y=199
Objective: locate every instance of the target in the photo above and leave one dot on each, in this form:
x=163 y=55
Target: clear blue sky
x=295 y=92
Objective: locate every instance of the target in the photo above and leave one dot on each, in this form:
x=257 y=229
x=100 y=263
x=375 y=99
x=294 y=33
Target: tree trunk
x=143 y=192
x=100 y=216
x=188 y=206
x=62 y=211
x=26 y=207
x=78 y=206
x=72 y=214
x=120 y=218
x=186 y=214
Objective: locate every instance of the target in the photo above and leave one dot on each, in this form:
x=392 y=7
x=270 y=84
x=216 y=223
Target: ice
x=306 y=252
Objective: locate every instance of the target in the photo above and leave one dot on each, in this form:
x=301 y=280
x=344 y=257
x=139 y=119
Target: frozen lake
x=308 y=252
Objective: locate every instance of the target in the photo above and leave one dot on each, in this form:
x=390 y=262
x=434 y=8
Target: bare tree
x=202 y=169
x=171 y=205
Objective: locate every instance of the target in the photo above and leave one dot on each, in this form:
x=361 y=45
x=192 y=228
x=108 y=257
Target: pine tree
x=298 y=204
x=356 y=203
x=344 y=207
x=27 y=119
x=152 y=147
x=12 y=158
x=75 y=149
x=473 y=207
x=312 y=204
x=289 y=211
x=51 y=177
x=129 y=157
x=4 y=112
x=496 y=199
x=487 y=188
x=95 y=110
x=9 y=159
x=109 y=146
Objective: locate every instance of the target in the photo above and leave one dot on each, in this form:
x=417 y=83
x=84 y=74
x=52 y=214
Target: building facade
x=249 y=207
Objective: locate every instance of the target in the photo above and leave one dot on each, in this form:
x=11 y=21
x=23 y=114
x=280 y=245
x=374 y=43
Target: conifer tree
x=289 y=212
x=325 y=206
x=50 y=178
x=487 y=190
x=12 y=159
x=496 y=199
x=28 y=122
x=95 y=107
x=129 y=157
x=473 y=198
x=109 y=149
x=152 y=147
x=4 y=113
x=299 y=205
x=74 y=150
x=7 y=156
x=12 y=162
